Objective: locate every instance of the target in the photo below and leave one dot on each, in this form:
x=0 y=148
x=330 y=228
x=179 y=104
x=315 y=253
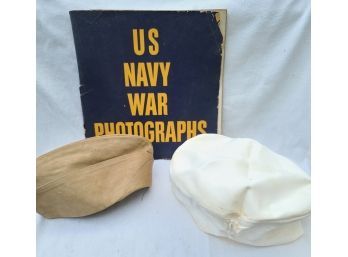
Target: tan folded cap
x=90 y=175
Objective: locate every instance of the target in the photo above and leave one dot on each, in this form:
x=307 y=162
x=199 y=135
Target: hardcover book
x=156 y=74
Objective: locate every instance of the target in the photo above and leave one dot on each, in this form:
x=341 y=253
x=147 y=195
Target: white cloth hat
x=239 y=189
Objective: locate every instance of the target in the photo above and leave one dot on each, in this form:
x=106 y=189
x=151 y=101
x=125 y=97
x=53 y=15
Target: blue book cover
x=157 y=74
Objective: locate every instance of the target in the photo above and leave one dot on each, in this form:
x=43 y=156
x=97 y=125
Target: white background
x=266 y=97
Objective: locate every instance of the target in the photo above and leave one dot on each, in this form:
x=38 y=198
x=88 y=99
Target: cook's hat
x=240 y=189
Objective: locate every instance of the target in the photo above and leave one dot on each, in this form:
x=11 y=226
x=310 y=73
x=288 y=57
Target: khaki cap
x=90 y=175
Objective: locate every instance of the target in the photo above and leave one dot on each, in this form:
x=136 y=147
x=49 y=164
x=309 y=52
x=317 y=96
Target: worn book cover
x=156 y=74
